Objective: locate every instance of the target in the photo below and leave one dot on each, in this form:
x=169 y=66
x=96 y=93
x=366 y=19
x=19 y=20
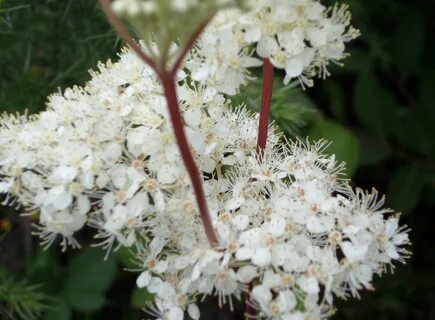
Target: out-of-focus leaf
x=344 y=142
x=427 y=101
x=126 y=258
x=291 y=108
x=89 y=277
x=141 y=297
x=405 y=188
x=45 y=268
x=373 y=105
x=409 y=41
x=373 y=151
x=411 y=130
x=336 y=99
x=427 y=91
x=59 y=310
x=357 y=62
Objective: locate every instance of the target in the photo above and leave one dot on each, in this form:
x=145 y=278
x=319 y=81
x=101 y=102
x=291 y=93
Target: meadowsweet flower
x=104 y=155
x=300 y=37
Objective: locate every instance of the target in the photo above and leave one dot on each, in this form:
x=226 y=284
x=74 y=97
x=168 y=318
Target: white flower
x=289 y=225
x=300 y=37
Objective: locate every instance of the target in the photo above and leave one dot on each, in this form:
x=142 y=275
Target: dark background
x=378 y=110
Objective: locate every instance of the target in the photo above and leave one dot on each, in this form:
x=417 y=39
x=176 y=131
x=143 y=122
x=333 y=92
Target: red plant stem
x=251 y=313
x=266 y=100
x=168 y=82
x=123 y=32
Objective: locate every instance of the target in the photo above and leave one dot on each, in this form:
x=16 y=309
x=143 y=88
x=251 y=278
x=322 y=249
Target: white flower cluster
x=289 y=225
x=299 y=36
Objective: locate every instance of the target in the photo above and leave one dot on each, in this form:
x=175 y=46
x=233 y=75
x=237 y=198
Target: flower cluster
x=289 y=224
x=299 y=36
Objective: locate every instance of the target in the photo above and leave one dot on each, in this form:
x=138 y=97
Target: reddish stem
x=123 y=32
x=266 y=100
x=251 y=313
x=168 y=83
x=168 y=79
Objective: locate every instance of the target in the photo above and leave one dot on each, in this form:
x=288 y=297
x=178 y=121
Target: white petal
x=252 y=33
x=63 y=175
x=241 y=221
x=309 y=284
x=168 y=173
x=175 y=313
x=63 y=201
x=209 y=165
x=193 y=117
x=244 y=253
x=193 y=311
x=314 y=225
x=286 y=301
x=247 y=273
x=143 y=280
x=294 y=68
x=262 y=295
x=354 y=253
x=161 y=266
x=266 y=47
x=261 y=257
x=276 y=226
x=83 y=204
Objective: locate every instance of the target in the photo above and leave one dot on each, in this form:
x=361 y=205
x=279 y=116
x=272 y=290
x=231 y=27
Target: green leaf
x=405 y=188
x=373 y=150
x=87 y=301
x=412 y=131
x=373 y=105
x=141 y=297
x=126 y=258
x=59 y=310
x=344 y=142
x=89 y=277
x=291 y=108
x=409 y=41
x=335 y=94
x=427 y=100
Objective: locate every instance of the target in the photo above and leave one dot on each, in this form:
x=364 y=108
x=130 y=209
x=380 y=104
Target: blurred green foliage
x=18 y=299
x=378 y=111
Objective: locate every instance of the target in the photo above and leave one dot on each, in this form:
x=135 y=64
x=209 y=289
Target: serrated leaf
x=344 y=142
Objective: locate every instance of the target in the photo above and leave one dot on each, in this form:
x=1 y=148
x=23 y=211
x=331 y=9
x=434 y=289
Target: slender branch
x=123 y=32
x=266 y=100
x=189 y=45
x=168 y=82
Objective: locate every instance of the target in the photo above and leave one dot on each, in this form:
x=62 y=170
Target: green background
x=378 y=111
